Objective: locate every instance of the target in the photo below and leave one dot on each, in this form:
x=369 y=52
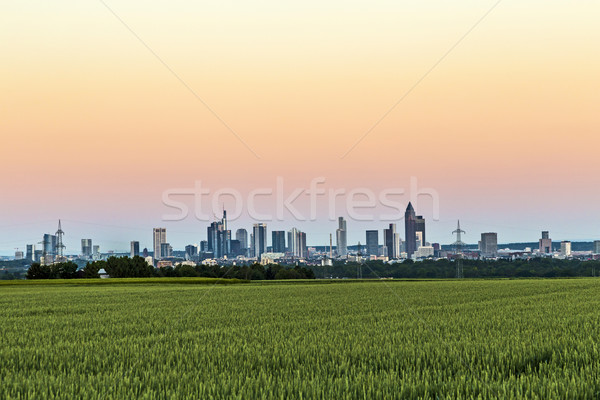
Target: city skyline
x=220 y=241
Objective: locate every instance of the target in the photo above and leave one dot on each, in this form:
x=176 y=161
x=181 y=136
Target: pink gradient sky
x=94 y=128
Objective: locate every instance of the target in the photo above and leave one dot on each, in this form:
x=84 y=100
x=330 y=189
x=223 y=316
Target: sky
x=106 y=106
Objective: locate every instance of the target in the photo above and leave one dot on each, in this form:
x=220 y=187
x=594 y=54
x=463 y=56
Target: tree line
x=137 y=267
x=443 y=269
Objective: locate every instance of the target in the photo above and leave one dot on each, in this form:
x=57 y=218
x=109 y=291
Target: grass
x=427 y=339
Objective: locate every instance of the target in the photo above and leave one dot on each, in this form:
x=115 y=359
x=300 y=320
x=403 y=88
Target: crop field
x=382 y=339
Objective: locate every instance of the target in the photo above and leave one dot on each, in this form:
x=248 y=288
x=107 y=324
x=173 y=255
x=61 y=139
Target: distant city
x=290 y=248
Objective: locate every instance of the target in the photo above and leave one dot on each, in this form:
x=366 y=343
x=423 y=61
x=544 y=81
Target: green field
x=383 y=339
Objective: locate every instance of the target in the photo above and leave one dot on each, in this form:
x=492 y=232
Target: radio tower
x=59 y=243
x=458 y=245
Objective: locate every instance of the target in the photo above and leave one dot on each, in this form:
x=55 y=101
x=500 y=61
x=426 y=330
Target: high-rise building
x=95 y=251
x=297 y=243
x=159 y=237
x=242 y=235
x=489 y=244
x=278 y=241
x=596 y=246
x=260 y=239
x=302 y=245
x=86 y=247
x=135 y=249
x=419 y=241
x=545 y=243
x=219 y=237
x=203 y=246
x=236 y=248
x=19 y=255
x=166 y=250
x=29 y=252
x=397 y=245
x=145 y=252
x=191 y=251
x=420 y=227
x=565 y=248
x=410 y=230
x=49 y=245
x=341 y=238
x=389 y=241
x=373 y=243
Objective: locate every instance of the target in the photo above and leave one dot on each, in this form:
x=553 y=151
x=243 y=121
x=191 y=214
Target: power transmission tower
x=458 y=245
x=59 y=243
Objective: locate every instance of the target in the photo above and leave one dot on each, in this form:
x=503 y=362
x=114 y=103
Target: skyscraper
x=191 y=251
x=596 y=246
x=49 y=246
x=135 y=249
x=489 y=244
x=219 y=237
x=389 y=242
x=86 y=247
x=565 y=248
x=297 y=243
x=278 y=241
x=410 y=230
x=166 y=250
x=373 y=243
x=545 y=243
x=341 y=238
x=420 y=227
x=260 y=239
x=159 y=237
x=242 y=235
x=29 y=252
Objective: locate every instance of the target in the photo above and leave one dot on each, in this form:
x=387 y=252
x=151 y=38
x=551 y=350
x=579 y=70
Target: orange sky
x=95 y=128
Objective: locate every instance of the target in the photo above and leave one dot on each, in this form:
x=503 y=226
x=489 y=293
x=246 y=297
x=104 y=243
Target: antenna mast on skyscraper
x=458 y=245
x=59 y=243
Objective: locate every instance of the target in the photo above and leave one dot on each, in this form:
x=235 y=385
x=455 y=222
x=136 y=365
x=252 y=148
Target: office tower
x=397 y=245
x=260 y=239
x=96 y=251
x=596 y=246
x=373 y=243
x=303 y=251
x=278 y=241
x=49 y=245
x=419 y=240
x=545 y=243
x=236 y=248
x=159 y=237
x=341 y=238
x=19 y=255
x=135 y=249
x=242 y=235
x=145 y=252
x=191 y=251
x=420 y=227
x=219 y=237
x=86 y=247
x=410 y=230
x=166 y=250
x=29 y=252
x=489 y=244
x=203 y=246
x=297 y=243
x=565 y=248
x=388 y=241
x=37 y=255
